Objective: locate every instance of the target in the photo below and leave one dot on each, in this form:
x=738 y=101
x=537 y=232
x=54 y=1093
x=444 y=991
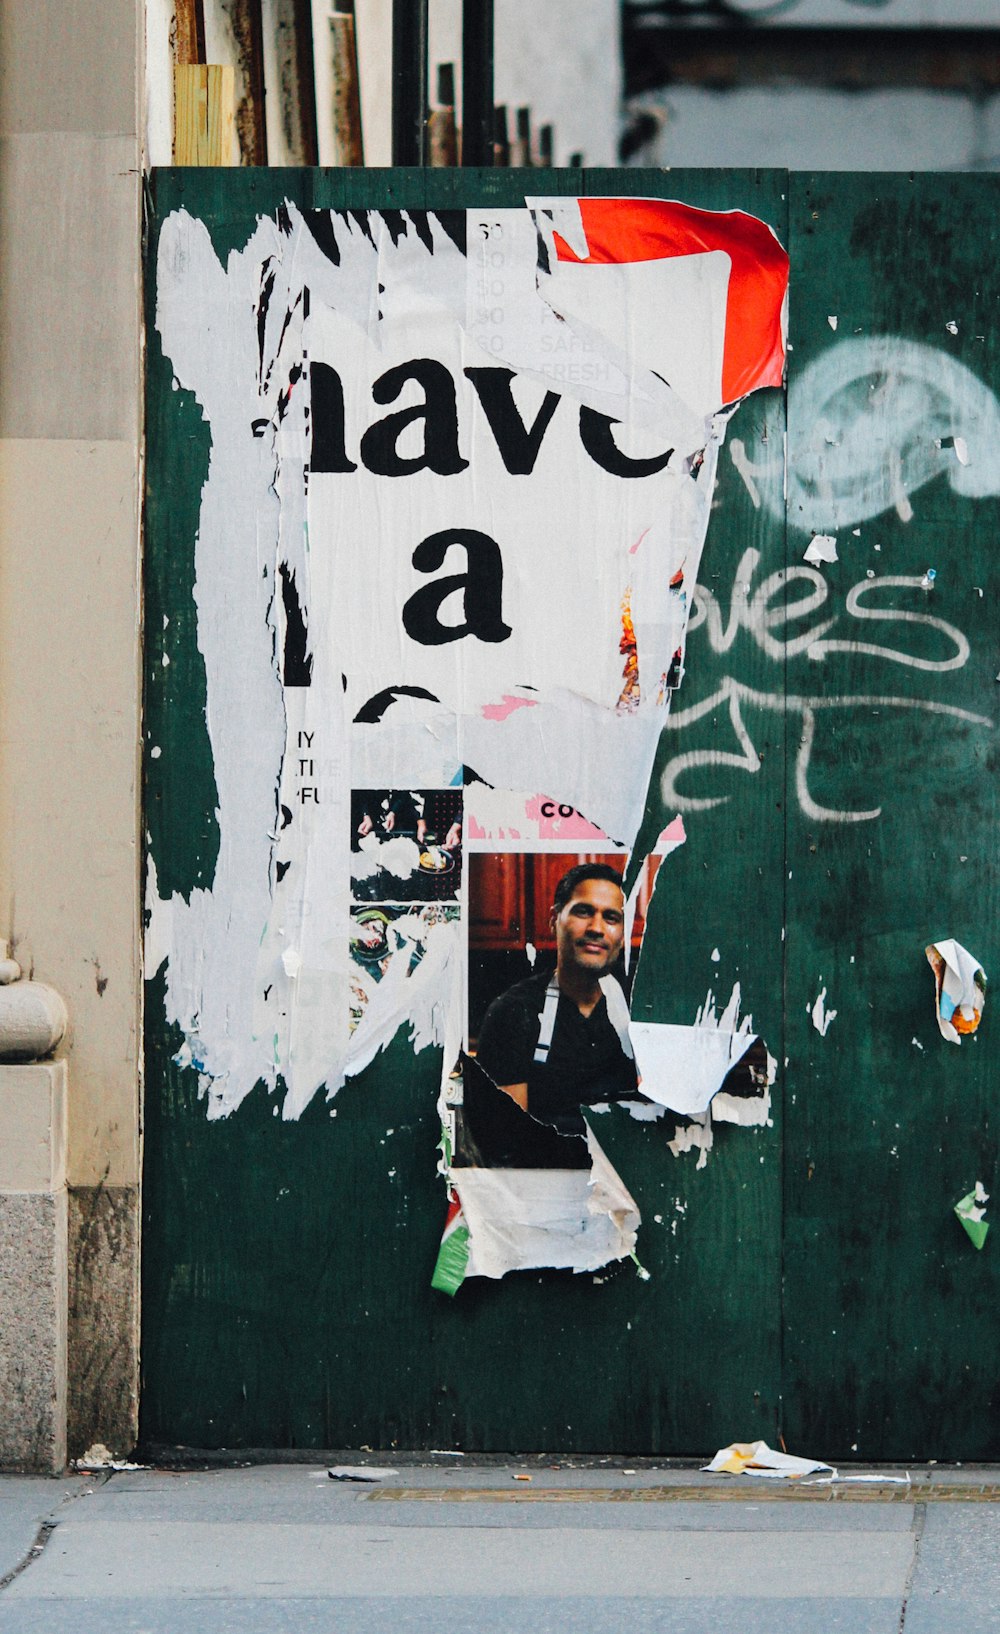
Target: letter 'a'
x=481 y=585
x=439 y=414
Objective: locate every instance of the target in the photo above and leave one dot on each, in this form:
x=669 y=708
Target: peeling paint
x=822 y=1018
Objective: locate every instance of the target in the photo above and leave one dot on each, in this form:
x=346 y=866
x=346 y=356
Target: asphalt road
x=461 y=1550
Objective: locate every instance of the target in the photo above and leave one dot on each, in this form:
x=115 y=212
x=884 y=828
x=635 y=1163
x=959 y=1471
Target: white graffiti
x=737 y=696
x=765 y=611
x=768 y=609
x=870 y=422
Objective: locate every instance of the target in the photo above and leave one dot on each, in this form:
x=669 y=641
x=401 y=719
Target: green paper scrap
x=453 y=1257
x=970 y=1210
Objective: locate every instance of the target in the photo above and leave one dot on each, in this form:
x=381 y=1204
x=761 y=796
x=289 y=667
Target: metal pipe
x=477 y=82
x=409 y=82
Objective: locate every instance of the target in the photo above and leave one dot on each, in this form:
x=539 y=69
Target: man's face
x=590 y=929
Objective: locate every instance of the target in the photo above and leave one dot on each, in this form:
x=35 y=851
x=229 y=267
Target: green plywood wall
x=809 y=1279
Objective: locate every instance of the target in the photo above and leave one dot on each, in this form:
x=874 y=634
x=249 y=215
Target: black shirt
x=586 y=1063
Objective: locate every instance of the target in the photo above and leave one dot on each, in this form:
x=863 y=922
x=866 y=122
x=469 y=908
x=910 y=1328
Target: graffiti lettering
x=768 y=611
x=875 y=419
x=736 y=695
x=789 y=596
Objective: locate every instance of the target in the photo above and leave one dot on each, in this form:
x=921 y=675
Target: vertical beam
x=521 y=154
x=304 y=90
x=245 y=21
x=409 y=82
x=346 y=91
x=189 y=41
x=441 y=129
x=289 y=82
x=203 y=115
x=477 y=82
x=501 y=136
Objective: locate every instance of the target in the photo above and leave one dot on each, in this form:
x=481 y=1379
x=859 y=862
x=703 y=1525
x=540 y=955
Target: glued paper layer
x=461 y=470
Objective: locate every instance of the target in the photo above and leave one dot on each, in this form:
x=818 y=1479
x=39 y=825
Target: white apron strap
x=548 y=1023
x=618 y=1016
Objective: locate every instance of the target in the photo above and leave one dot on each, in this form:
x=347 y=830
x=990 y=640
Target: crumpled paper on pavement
x=757 y=1458
x=961 y=988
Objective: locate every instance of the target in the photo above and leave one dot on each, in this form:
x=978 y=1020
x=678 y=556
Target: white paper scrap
x=757 y=1458
x=822 y=547
x=821 y=1016
x=520 y=1219
x=683 y=1067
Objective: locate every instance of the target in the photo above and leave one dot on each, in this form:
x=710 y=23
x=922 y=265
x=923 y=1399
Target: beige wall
x=70 y=188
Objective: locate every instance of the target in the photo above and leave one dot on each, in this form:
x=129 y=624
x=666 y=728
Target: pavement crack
x=42 y=1536
x=46 y=1529
x=919 y=1522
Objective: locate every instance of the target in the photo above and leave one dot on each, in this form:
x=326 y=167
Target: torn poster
x=757 y=1458
x=960 y=988
x=442 y=444
x=971 y=1211
x=534 y=1185
x=684 y=1068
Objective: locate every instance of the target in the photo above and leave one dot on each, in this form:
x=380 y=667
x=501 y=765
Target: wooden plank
x=251 y=127
x=204 y=114
x=289 y=82
x=520 y=149
x=442 y=128
x=715 y=921
x=346 y=95
x=890 y=1313
x=189 y=36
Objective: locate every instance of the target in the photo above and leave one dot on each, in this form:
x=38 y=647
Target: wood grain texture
x=251 y=127
x=890 y=1315
x=346 y=89
x=204 y=114
x=289 y=82
x=189 y=36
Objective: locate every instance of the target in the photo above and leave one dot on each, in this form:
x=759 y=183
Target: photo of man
x=548 y=1019
x=558 y=1041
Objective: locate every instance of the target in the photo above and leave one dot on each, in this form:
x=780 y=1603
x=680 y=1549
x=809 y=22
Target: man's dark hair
x=575 y=876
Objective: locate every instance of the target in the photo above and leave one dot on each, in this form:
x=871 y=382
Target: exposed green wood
x=179 y=810
x=890 y=1314
x=721 y=894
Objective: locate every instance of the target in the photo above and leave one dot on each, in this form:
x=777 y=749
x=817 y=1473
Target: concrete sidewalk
x=465 y=1548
